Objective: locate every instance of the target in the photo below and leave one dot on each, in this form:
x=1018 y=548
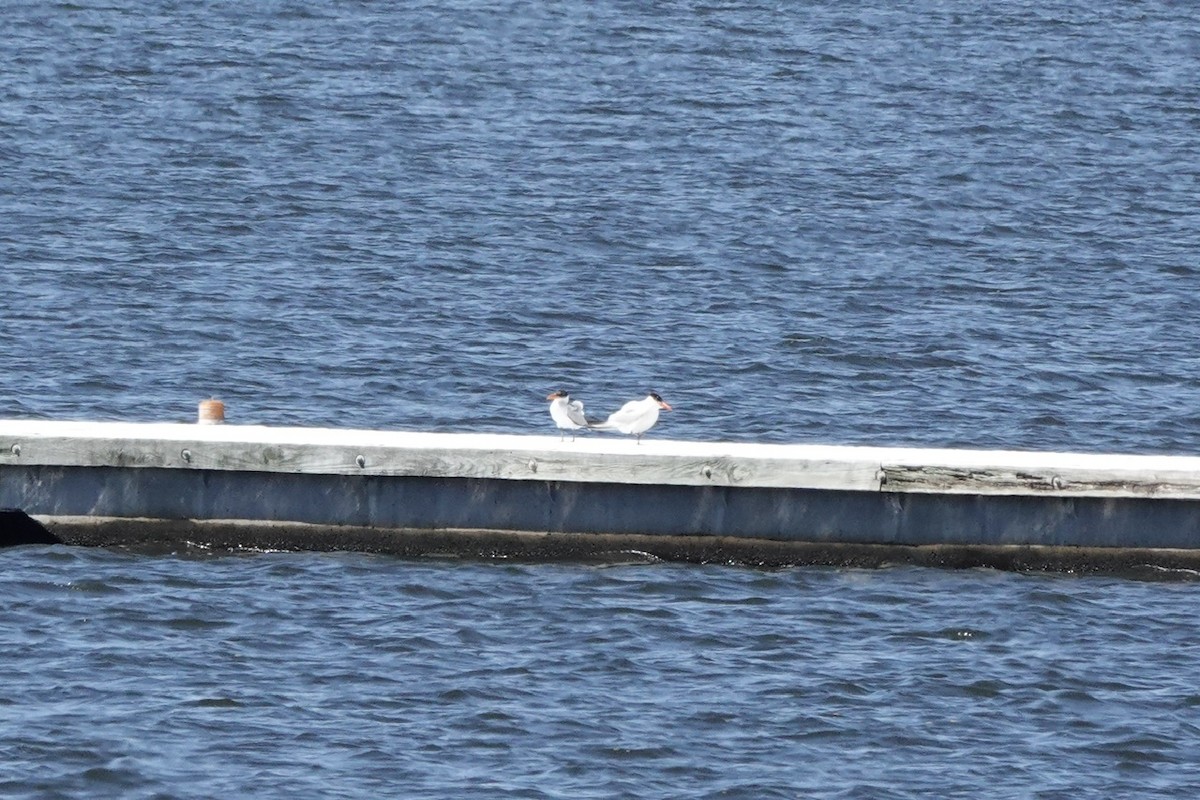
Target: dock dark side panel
x=565 y=507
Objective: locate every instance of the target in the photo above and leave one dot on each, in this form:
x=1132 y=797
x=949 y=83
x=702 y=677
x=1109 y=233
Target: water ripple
x=645 y=675
x=981 y=237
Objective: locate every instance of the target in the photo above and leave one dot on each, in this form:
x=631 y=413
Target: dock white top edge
x=594 y=458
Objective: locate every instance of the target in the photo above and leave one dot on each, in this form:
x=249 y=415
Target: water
x=812 y=222
x=361 y=676
x=842 y=222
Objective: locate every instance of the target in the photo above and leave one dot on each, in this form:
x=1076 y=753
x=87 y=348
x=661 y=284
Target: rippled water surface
x=844 y=222
x=816 y=221
x=276 y=675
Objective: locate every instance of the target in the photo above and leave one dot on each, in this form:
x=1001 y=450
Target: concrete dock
x=608 y=498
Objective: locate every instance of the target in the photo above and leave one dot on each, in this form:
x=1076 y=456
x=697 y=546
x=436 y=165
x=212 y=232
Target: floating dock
x=606 y=498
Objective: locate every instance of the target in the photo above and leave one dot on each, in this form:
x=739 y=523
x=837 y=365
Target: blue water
x=844 y=222
x=360 y=676
x=836 y=222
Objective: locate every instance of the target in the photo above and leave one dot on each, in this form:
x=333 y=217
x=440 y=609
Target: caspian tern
x=566 y=413
x=635 y=417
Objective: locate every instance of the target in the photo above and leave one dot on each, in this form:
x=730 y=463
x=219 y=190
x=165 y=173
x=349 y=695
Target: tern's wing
x=628 y=412
x=622 y=416
x=575 y=412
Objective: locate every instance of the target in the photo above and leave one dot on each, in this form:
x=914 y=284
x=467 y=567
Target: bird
x=635 y=417
x=566 y=413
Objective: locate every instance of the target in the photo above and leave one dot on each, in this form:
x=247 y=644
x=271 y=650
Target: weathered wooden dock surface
x=402 y=491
